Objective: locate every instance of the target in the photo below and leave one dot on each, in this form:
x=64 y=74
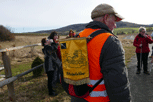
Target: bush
x=39 y=71
x=5 y=34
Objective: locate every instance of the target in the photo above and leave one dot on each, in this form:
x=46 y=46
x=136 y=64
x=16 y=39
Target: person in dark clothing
x=54 y=36
x=141 y=42
x=106 y=59
x=49 y=50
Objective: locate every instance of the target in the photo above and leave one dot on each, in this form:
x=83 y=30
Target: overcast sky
x=35 y=15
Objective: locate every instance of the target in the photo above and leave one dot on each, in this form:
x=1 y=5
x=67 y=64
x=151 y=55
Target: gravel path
x=141 y=85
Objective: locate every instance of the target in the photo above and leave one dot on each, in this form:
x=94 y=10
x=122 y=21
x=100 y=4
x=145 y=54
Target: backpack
x=81 y=89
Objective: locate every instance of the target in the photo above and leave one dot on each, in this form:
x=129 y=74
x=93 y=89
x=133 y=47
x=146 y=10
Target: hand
x=140 y=45
x=145 y=35
x=49 y=41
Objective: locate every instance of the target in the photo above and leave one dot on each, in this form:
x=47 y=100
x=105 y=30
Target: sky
x=21 y=16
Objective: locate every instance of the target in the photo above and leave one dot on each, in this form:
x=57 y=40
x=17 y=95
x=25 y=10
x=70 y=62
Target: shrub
x=39 y=71
x=5 y=34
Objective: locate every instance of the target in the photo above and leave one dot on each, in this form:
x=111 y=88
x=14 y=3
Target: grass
x=19 y=68
x=129 y=30
x=125 y=30
x=29 y=88
x=129 y=52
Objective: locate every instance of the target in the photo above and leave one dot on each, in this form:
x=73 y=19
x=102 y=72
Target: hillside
x=76 y=27
x=79 y=27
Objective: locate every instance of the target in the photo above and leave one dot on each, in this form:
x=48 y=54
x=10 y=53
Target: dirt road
x=141 y=85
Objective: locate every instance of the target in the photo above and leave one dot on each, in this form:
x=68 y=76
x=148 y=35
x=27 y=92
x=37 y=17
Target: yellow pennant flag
x=75 y=60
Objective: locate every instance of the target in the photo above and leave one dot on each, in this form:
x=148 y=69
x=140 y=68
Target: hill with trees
x=79 y=27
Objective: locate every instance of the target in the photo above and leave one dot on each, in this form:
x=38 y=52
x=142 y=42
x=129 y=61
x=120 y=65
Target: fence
x=8 y=74
x=2 y=76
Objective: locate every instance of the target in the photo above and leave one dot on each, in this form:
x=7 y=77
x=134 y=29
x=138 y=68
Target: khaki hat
x=103 y=9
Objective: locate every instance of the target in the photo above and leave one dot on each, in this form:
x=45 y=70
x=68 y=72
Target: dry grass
x=29 y=89
x=128 y=47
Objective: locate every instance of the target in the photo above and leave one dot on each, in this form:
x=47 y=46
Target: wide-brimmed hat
x=103 y=9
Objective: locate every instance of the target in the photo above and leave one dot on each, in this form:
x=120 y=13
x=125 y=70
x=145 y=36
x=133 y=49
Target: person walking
x=106 y=59
x=141 y=42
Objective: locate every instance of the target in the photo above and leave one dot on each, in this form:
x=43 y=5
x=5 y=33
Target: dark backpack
x=80 y=91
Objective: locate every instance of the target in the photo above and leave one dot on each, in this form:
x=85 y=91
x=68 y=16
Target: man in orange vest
x=106 y=59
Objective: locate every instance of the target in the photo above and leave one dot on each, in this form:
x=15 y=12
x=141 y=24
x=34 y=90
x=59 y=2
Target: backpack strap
x=97 y=32
x=97 y=83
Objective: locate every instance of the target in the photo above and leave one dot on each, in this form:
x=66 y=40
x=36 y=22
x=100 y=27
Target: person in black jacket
x=50 y=68
x=54 y=36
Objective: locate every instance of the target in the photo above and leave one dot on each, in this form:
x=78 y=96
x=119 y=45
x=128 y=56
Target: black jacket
x=50 y=53
x=112 y=67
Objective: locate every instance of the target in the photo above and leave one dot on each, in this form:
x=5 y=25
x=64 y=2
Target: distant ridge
x=79 y=27
x=76 y=27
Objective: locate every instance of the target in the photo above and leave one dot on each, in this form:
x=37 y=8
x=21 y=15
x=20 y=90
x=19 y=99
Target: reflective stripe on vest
x=99 y=94
x=100 y=87
x=93 y=82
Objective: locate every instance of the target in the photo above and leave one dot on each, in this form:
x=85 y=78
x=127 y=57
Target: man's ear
x=105 y=18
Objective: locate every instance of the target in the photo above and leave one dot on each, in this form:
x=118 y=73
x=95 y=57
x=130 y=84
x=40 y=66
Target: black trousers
x=50 y=76
x=143 y=60
x=152 y=51
x=75 y=99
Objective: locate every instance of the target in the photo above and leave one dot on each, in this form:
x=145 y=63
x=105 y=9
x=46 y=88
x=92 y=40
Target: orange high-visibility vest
x=99 y=94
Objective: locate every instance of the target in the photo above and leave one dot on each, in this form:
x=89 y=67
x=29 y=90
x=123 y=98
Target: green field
x=125 y=30
x=129 y=30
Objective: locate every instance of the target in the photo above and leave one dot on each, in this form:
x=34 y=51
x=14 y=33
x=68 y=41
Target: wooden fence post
x=13 y=51
x=32 y=51
x=8 y=74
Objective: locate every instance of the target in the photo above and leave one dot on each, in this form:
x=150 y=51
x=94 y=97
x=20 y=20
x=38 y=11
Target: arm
x=135 y=43
x=114 y=71
x=149 y=39
x=51 y=48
